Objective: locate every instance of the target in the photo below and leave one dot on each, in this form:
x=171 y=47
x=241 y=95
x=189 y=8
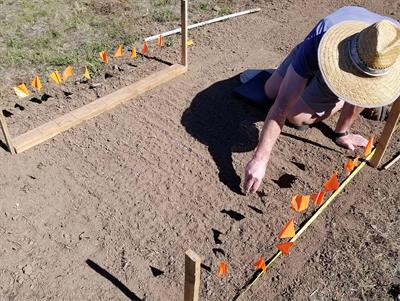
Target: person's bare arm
x=348 y=115
x=290 y=91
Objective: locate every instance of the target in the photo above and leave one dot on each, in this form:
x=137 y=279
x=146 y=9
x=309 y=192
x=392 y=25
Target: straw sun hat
x=360 y=62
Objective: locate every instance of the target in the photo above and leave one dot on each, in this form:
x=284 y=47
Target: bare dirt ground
x=107 y=210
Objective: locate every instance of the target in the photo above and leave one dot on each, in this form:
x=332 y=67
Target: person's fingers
x=255 y=186
x=248 y=183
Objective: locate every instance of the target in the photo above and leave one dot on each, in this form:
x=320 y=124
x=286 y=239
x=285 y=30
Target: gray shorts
x=316 y=95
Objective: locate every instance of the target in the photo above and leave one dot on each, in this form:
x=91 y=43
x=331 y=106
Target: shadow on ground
x=126 y=291
x=220 y=120
x=225 y=124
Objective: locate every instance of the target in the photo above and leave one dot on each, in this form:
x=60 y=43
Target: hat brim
x=345 y=79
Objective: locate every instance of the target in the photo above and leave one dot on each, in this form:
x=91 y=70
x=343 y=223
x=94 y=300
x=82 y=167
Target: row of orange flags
x=300 y=203
x=23 y=91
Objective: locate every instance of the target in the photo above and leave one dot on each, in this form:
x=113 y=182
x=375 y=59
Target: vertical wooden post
x=387 y=133
x=192 y=276
x=184 y=32
x=6 y=134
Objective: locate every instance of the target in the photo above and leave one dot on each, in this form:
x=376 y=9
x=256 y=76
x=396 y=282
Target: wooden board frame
x=54 y=127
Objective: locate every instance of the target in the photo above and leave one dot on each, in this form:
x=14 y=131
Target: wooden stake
x=95 y=108
x=192 y=276
x=6 y=134
x=387 y=133
x=184 y=25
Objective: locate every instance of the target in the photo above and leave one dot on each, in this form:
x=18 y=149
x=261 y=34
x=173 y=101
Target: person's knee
x=296 y=120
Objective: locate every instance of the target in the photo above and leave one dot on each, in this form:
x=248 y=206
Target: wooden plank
x=184 y=37
x=387 y=133
x=6 y=133
x=192 y=276
x=95 y=108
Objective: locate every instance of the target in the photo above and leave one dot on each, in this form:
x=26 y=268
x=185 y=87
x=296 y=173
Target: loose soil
x=107 y=210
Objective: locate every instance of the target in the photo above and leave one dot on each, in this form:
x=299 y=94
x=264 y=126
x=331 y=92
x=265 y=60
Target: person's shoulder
x=356 y=13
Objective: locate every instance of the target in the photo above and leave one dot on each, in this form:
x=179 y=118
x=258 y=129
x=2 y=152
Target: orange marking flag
x=260 y=264
x=288 y=230
x=350 y=165
x=36 y=83
x=318 y=198
x=285 y=247
x=119 y=52
x=104 y=57
x=21 y=91
x=145 y=49
x=368 y=148
x=87 y=73
x=332 y=184
x=300 y=202
x=56 y=77
x=134 y=53
x=68 y=72
x=222 y=269
x=160 y=41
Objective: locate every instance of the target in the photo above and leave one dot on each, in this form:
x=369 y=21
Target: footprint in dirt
x=216 y=235
x=255 y=209
x=299 y=165
x=7 y=113
x=233 y=214
x=217 y=251
x=18 y=106
x=35 y=100
x=285 y=181
x=156 y=272
x=45 y=97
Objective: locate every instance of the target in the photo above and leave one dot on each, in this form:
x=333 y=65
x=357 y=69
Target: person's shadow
x=225 y=124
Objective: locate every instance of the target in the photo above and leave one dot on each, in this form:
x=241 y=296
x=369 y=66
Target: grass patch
x=42 y=35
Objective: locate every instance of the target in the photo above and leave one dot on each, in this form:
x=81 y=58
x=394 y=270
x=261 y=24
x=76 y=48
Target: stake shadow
x=126 y=291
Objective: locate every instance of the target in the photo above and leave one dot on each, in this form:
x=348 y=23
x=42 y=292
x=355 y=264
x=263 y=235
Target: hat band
x=357 y=61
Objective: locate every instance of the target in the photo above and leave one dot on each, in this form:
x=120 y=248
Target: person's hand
x=254 y=174
x=351 y=141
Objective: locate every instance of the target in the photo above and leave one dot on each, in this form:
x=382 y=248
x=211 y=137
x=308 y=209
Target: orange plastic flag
x=104 y=57
x=332 y=184
x=134 y=53
x=189 y=42
x=21 y=91
x=285 y=247
x=36 y=83
x=318 y=198
x=87 y=73
x=145 y=49
x=68 y=72
x=288 y=230
x=300 y=202
x=160 y=41
x=56 y=77
x=260 y=264
x=368 y=148
x=222 y=269
x=350 y=165
x=119 y=52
